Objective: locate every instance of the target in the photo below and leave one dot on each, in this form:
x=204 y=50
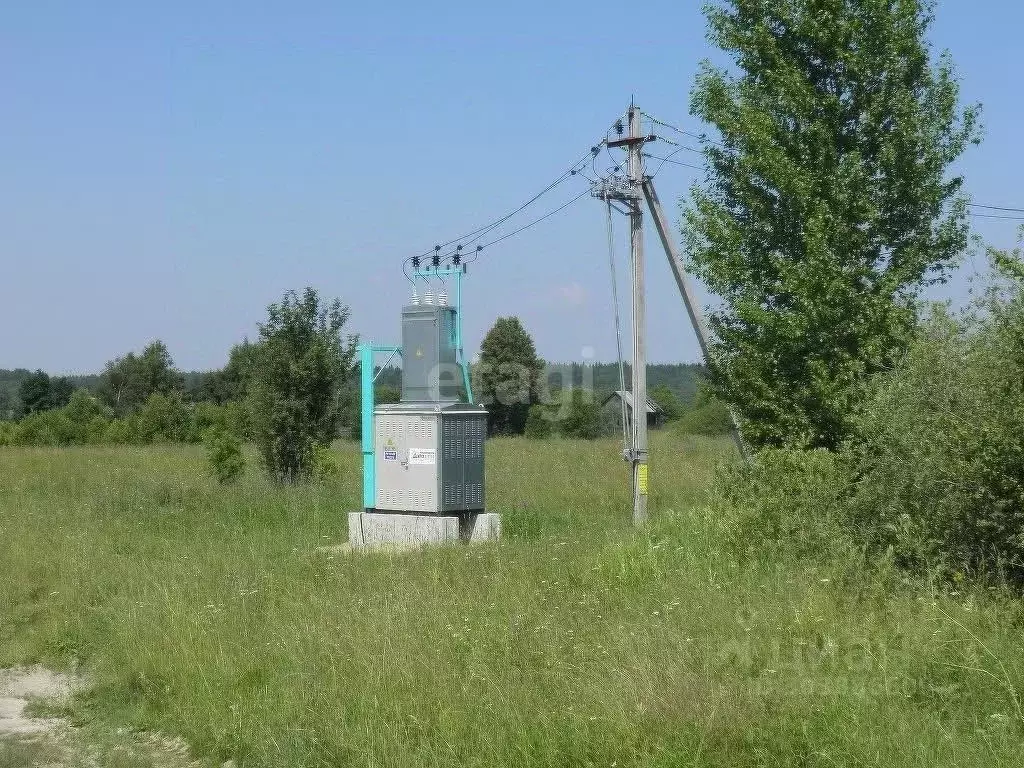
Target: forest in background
x=143 y=398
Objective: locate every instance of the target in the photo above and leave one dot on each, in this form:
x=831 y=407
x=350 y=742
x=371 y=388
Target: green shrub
x=942 y=457
x=710 y=418
x=83 y=407
x=784 y=502
x=935 y=482
x=538 y=423
x=96 y=430
x=224 y=454
x=121 y=432
x=232 y=417
x=47 y=428
x=207 y=416
x=300 y=369
x=164 y=418
x=323 y=465
x=583 y=421
x=669 y=402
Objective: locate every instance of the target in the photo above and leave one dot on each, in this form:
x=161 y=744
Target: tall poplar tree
x=829 y=202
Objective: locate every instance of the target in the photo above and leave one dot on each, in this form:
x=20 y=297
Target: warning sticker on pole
x=641 y=479
x=422 y=456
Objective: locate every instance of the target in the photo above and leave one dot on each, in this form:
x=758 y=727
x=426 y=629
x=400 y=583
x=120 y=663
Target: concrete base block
x=382 y=529
x=388 y=530
x=485 y=526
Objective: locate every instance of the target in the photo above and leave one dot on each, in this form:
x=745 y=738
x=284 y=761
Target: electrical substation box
x=429 y=458
x=429 y=448
x=430 y=372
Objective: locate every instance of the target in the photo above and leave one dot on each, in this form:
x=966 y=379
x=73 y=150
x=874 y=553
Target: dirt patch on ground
x=19 y=687
x=52 y=742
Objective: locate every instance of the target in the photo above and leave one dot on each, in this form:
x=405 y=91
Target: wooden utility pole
x=630 y=192
x=638 y=456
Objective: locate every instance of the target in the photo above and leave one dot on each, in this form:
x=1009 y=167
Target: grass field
x=207 y=612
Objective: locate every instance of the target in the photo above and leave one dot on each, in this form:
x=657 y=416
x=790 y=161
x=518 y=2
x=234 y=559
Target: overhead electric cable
x=992 y=216
x=476 y=235
x=618 y=327
x=995 y=208
x=670 y=160
x=457 y=258
x=536 y=221
x=571 y=171
x=681 y=146
x=475 y=240
x=702 y=137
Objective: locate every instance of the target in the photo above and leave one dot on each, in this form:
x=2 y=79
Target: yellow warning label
x=641 y=479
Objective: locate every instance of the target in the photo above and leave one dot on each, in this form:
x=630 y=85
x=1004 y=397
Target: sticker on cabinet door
x=422 y=456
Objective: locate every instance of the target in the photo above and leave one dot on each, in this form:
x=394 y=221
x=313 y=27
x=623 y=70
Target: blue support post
x=458 y=335
x=366 y=414
x=366 y=402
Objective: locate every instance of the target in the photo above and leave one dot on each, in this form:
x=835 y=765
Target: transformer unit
x=430 y=457
x=429 y=448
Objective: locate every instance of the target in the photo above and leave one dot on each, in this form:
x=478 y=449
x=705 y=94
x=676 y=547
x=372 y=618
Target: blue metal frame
x=366 y=353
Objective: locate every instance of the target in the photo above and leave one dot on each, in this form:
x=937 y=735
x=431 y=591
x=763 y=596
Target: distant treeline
x=220 y=386
x=143 y=398
x=11 y=381
x=680 y=378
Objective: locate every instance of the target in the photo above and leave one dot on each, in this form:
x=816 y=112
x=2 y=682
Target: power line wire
x=670 y=160
x=996 y=208
x=705 y=137
x=536 y=221
x=701 y=136
x=991 y=216
x=681 y=146
x=478 y=234
x=573 y=172
x=476 y=254
x=482 y=231
x=618 y=324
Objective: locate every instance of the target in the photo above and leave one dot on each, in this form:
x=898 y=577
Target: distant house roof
x=652 y=407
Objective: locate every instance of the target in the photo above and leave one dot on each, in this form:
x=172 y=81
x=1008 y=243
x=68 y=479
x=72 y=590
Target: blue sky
x=168 y=170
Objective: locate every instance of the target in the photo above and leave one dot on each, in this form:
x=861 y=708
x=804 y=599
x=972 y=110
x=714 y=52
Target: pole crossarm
x=631 y=141
x=428 y=272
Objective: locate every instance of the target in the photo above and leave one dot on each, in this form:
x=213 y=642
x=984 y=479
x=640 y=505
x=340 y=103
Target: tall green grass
x=210 y=612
